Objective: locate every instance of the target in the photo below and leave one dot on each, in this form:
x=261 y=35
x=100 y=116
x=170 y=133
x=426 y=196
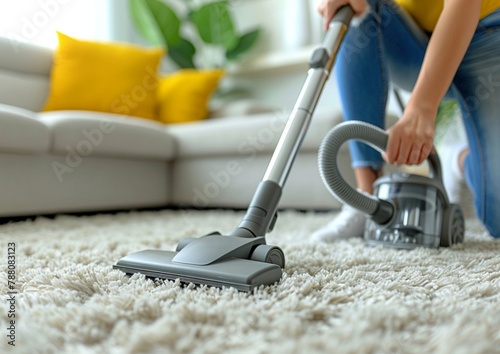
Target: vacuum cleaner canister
x=406 y=210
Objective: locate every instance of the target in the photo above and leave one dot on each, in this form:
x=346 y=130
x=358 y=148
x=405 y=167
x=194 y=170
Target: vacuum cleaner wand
x=261 y=214
x=242 y=259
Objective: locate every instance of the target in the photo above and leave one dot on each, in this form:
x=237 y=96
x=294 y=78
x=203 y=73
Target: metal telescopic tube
x=261 y=214
x=300 y=117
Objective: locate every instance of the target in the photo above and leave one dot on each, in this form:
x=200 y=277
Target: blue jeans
x=389 y=47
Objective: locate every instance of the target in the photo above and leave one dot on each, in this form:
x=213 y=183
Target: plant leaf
x=152 y=17
x=160 y=25
x=448 y=112
x=183 y=53
x=145 y=23
x=167 y=20
x=215 y=24
x=245 y=42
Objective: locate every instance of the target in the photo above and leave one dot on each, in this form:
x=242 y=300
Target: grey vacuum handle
x=344 y=14
x=380 y=210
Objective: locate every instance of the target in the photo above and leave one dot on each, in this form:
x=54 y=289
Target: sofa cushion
x=184 y=95
x=107 y=134
x=106 y=77
x=24 y=73
x=246 y=135
x=18 y=55
x=28 y=91
x=22 y=132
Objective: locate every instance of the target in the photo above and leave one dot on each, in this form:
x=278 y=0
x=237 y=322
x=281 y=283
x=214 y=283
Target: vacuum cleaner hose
x=381 y=211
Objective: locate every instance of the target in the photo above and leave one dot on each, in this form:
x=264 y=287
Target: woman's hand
x=328 y=8
x=411 y=139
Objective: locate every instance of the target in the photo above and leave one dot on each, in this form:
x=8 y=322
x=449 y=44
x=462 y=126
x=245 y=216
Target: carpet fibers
x=339 y=298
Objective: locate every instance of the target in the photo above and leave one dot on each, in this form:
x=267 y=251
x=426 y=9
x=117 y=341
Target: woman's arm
x=411 y=138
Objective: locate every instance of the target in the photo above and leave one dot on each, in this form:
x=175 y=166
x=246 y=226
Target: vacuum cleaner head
x=241 y=260
x=242 y=274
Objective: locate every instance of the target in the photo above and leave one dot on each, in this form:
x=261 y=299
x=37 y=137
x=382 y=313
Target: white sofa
x=80 y=161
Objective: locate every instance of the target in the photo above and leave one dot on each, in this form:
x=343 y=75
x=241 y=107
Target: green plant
x=447 y=115
x=187 y=28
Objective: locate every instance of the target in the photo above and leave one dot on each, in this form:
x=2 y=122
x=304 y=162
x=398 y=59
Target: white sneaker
x=453 y=178
x=348 y=223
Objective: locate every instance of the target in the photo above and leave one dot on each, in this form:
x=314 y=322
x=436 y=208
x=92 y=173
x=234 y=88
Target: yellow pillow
x=183 y=96
x=105 y=77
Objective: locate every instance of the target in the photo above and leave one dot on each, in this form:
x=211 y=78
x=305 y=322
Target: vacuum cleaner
x=406 y=210
x=242 y=259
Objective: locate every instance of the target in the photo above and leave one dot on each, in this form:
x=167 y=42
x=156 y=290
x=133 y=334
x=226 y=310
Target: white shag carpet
x=339 y=298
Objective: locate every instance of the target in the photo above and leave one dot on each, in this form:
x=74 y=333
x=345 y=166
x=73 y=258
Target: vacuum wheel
x=453 y=228
x=269 y=254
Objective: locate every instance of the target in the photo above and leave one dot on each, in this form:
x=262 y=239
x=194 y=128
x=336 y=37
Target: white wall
x=38 y=20
x=280 y=22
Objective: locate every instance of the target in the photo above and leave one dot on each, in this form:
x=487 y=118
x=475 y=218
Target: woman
x=434 y=49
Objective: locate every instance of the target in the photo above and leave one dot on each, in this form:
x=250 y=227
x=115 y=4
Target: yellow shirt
x=426 y=12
